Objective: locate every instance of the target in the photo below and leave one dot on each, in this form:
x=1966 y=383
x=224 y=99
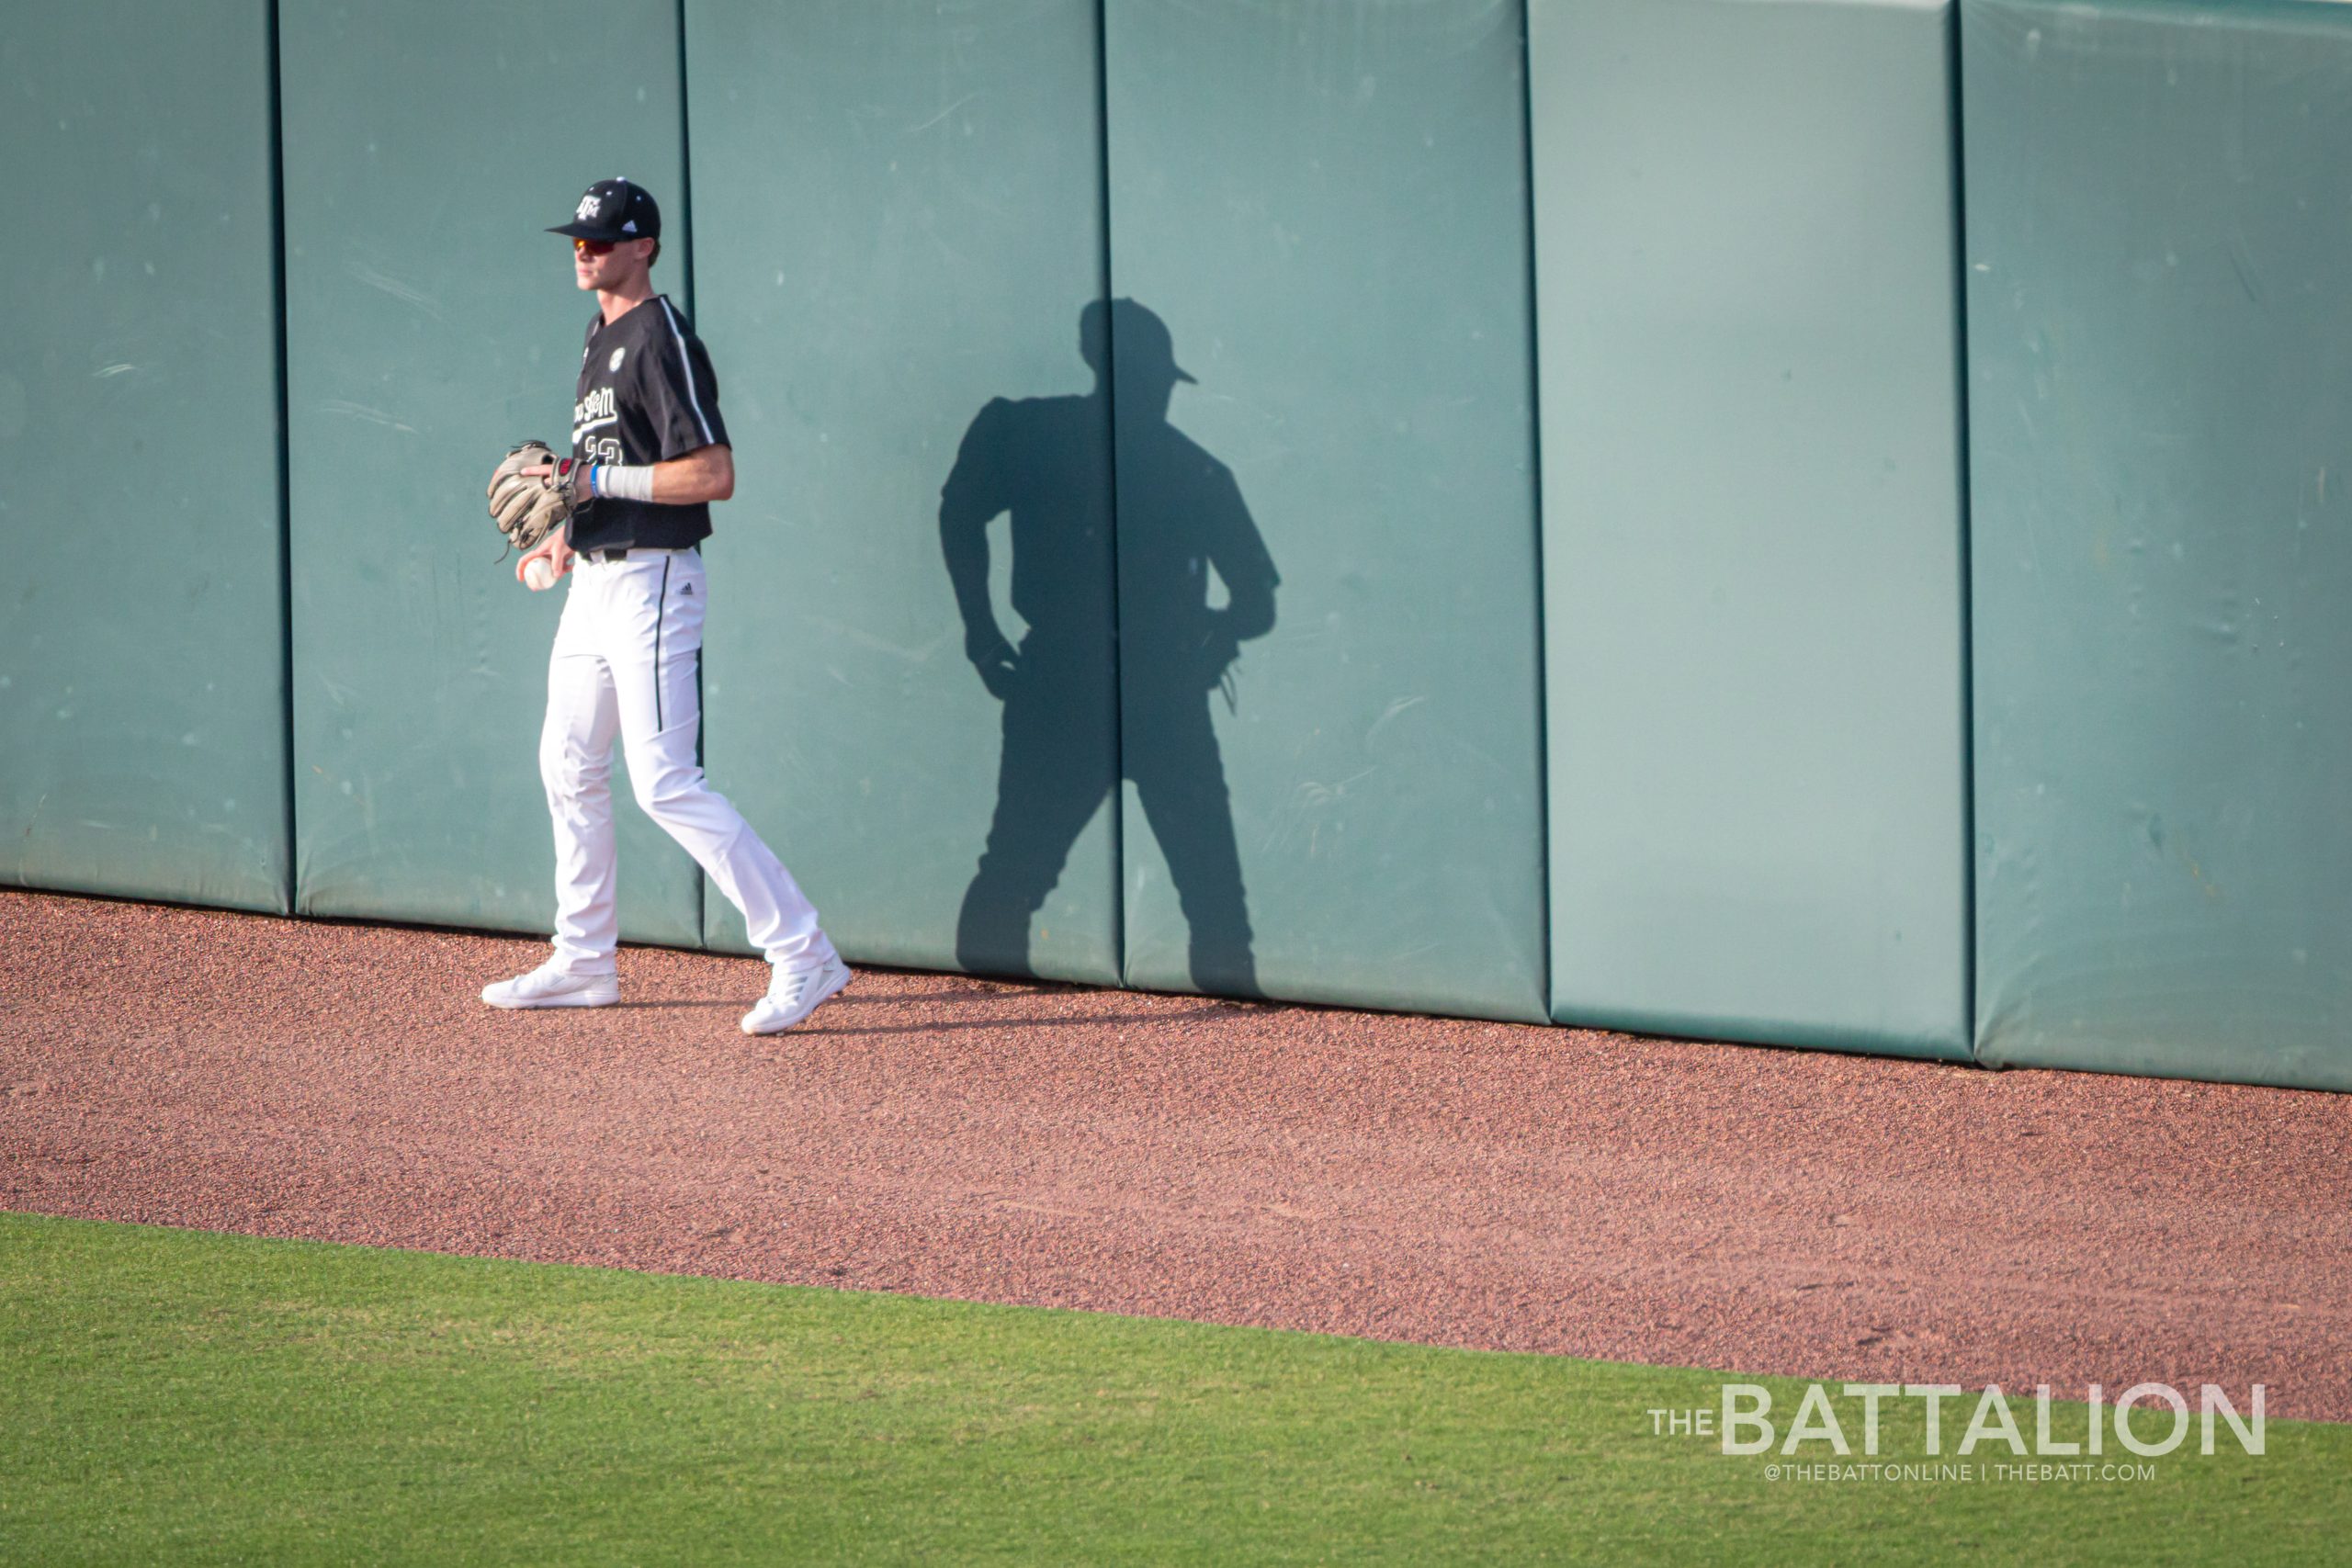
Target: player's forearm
x=966 y=549
x=706 y=474
x=1250 y=614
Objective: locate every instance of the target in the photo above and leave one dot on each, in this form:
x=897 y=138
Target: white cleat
x=792 y=995
x=551 y=986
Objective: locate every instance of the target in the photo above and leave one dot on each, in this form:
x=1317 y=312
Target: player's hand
x=994 y=658
x=1220 y=648
x=556 y=551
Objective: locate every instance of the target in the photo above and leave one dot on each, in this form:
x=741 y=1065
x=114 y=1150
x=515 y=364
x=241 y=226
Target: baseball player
x=649 y=455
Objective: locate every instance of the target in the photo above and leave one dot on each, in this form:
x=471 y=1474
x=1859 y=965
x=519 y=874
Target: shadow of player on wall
x=1084 y=671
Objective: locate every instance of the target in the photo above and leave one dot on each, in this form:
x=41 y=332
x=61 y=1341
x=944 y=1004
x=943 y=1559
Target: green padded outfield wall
x=898 y=223
x=430 y=324
x=1748 y=278
x=1319 y=212
x=142 y=730
x=2160 y=346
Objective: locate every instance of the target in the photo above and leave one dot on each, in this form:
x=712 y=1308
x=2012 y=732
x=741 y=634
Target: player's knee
x=1018 y=877
x=567 y=771
x=661 y=792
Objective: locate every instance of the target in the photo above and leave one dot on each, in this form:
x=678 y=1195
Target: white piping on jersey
x=686 y=359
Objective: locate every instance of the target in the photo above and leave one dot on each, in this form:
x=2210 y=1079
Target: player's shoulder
x=1192 y=461
x=649 y=336
x=654 y=319
x=653 y=322
x=1035 y=410
x=666 y=317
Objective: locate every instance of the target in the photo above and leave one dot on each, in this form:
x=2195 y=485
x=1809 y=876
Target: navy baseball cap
x=614 y=210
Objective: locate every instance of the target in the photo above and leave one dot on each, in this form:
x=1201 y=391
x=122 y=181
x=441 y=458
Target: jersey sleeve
x=1235 y=545
x=680 y=390
x=979 y=488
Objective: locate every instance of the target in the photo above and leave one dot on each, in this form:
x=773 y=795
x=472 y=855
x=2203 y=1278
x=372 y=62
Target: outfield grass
x=180 y=1396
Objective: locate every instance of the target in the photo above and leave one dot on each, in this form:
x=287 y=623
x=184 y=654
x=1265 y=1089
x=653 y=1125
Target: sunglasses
x=592 y=247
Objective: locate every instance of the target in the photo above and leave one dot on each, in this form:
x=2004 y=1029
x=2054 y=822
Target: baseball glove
x=528 y=507
x=1220 y=655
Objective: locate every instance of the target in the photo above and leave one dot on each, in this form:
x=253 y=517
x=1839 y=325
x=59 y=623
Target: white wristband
x=622 y=481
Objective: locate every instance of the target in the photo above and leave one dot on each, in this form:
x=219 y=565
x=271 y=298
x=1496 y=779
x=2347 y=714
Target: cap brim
x=591 y=231
x=1184 y=375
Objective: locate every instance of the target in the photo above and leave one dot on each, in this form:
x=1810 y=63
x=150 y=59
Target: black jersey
x=647 y=394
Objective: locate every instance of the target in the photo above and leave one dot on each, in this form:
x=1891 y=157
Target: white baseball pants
x=627 y=654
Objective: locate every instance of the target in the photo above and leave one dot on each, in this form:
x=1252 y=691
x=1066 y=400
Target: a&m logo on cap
x=588 y=207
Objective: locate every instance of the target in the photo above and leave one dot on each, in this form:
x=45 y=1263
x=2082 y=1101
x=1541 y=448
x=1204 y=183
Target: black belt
x=621 y=553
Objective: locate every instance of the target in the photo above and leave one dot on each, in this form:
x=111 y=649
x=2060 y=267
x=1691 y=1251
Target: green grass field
x=187 y=1397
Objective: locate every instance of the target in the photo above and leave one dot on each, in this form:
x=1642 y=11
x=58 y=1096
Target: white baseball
x=539 y=573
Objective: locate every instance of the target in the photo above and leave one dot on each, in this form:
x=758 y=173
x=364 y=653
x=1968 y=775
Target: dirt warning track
x=1457 y=1183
